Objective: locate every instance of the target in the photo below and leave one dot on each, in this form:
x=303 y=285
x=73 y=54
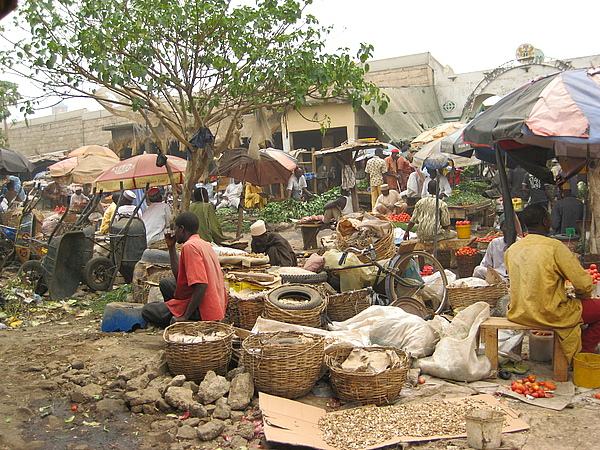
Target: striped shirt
x=424 y=217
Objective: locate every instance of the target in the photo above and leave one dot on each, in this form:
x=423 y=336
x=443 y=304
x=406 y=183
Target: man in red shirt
x=199 y=293
x=398 y=170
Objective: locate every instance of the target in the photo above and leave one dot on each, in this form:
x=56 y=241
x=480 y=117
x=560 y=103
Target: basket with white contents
x=194 y=348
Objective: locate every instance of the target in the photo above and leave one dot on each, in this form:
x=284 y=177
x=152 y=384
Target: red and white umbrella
x=139 y=171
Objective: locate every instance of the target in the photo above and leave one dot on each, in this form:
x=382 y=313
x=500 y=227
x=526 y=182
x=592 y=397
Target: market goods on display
x=312 y=219
x=468 y=193
x=363 y=427
x=466 y=251
x=593 y=271
x=532 y=388
x=278 y=212
x=404 y=217
x=426 y=271
x=463 y=222
x=486 y=239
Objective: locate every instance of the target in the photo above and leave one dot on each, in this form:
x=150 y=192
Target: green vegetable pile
x=362 y=185
x=278 y=212
x=468 y=193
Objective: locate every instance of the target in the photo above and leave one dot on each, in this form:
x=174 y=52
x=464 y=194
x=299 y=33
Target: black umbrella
x=13 y=162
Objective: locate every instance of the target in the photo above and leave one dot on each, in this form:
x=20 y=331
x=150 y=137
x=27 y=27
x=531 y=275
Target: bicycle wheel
x=434 y=295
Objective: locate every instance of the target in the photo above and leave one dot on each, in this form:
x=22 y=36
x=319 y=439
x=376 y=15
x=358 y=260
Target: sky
x=466 y=35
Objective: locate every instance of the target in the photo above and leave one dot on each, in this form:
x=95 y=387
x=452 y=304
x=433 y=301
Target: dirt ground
x=36 y=373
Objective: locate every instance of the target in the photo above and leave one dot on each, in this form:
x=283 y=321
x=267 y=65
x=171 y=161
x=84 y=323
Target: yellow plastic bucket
x=586 y=370
x=517 y=204
x=463 y=231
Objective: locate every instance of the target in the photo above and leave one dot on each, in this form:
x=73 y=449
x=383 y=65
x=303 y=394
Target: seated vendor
x=126 y=206
x=424 y=218
x=389 y=202
x=494 y=255
x=272 y=244
x=254 y=197
x=199 y=292
x=337 y=208
x=538 y=267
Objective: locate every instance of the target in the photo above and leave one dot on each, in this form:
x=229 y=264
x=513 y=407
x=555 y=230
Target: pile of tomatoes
x=404 y=217
x=426 y=270
x=530 y=387
x=463 y=222
x=466 y=251
x=486 y=239
x=593 y=271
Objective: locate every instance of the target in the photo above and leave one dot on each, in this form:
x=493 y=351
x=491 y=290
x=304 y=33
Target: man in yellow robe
x=254 y=197
x=538 y=267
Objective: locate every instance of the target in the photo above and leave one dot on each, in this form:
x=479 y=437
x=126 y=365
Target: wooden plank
x=559 y=361
x=489 y=337
x=504 y=324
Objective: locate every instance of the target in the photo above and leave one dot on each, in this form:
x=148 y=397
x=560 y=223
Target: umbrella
x=138 y=171
x=13 y=162
x=434 y=148
x=82 y=169
x=272 y=167
x=92 y=150
x=367 y=153
x=434 y=133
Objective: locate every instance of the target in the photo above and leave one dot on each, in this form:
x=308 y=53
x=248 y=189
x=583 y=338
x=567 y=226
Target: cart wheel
x=98 y=273
x=31 y=273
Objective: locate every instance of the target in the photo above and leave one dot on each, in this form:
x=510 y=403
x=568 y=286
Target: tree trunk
x=594 y=206
x=196 y=167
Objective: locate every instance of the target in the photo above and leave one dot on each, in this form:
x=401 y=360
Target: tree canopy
x=9 y=97
x=184 y=65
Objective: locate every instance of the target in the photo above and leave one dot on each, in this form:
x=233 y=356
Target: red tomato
x=593 y=266
x=74 y=407
x=421 y=380
x=531 y=378
x=597 y=395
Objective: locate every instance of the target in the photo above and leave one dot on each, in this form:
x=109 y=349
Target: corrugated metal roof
x=349 y=146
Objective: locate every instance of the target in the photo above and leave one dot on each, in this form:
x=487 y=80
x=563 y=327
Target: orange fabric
x=198 y=264
x=401 y=167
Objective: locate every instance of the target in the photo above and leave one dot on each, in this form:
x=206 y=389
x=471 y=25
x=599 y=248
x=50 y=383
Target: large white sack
x=455 y=356
x=393 y=327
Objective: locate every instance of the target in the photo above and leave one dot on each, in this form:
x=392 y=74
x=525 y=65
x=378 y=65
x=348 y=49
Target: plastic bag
x=455 y=356
x=350 y=279
x=434 y=286
x=393 y=327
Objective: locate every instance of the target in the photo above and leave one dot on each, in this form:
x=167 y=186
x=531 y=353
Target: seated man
x=126 y=206
x=494 y=255
x=157 y=217
x=566 y=212
x=231 y=196
x=538 y=267
x=78 y=199
x=389 y=202
x=424 y=218
x=254 y=197
x=337 y=208
x=272 y=244
x=109 y=213
x=199 y=292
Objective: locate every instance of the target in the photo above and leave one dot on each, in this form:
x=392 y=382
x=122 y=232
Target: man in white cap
x=279 y=251
x=126 y=207
x=389 y=202
x=78 y=199
x=157 y=217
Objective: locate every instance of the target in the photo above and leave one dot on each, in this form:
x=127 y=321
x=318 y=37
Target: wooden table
x=469 y=211
x=489 y=336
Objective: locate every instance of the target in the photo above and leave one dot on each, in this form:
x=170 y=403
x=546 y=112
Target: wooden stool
x=489 y=336
x=309 y=234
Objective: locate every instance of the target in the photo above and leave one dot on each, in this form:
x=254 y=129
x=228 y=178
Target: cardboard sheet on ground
x=291 y=422
x=563 y=395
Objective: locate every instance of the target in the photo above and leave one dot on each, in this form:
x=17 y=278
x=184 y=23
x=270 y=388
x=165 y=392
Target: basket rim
x=401 y=353
x=212 y=322
x=318 y=340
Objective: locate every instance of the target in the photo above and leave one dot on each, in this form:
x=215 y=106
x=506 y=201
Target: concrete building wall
x=62 y=132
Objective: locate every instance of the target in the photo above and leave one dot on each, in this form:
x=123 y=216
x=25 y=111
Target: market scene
x=228 y=235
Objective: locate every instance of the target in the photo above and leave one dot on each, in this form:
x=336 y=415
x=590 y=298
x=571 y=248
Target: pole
x=437 y=212
x=238 y=233
x=509 y=212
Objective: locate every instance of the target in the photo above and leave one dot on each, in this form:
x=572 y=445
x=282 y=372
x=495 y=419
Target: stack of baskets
x=367 y=388
x=465 y=264
x=347 y=236
x=461 y=297
x=243 y=309
x=194 y=360
x=308 y=317
x=343 y=306
x=287 y=364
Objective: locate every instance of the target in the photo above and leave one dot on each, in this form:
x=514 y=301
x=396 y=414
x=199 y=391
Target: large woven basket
x=445 y=258
x=250 y=309
x=308 y=317
x=465 y=265
x=366 y=388
x=194 y=360
x=461 y=297
x=343 y=306
x=287 y=364
x=385 y=246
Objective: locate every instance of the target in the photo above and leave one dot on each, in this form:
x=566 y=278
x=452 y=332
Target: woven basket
x=308 y=317
x=290 y=369
x=385 y=246
x=461 y=297
x=250 y=309
x=195 y=360
x=465 y=265
x=445 y=258
x=343 y=306
x=379 y=389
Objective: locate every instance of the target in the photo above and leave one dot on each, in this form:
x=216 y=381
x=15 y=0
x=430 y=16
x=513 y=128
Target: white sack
x=455 y=356
x=393 y=327
x=434 y=286
x=350 y=279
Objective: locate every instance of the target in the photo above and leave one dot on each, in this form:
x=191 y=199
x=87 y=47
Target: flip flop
x=515 y=367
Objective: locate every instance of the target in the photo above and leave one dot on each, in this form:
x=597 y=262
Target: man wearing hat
x=389 y=202
x=398 y=170
x=78 y=199
x=376 y=167
x=494 y=254
x=157 y=217
x=127 y=207
x=279 y=251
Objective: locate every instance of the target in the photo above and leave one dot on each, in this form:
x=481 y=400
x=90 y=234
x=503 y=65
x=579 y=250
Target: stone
x=163 y=425
x=132 y=373
x=149 y=408
x=210 y=430
x=233 y=372
x=186 y=432
x=222 y=409
x=238 y=442
x=163 y=406
x=241 y=391
x=192 y=421
x=246 y=430
x=118 y=384
x=177 y=381
x=34 y=368
x=236 y=415
x=86 y=393
x=142 y=397
x=54 y=423
x=138 y=383
x=162 y=437
x=47 y=385
x=191 y=385
x=179 y=398
x=212 y=387
x=77 y=365
x=198 y=410
x=160 y=383
x=137 y=409
x=110 y=407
